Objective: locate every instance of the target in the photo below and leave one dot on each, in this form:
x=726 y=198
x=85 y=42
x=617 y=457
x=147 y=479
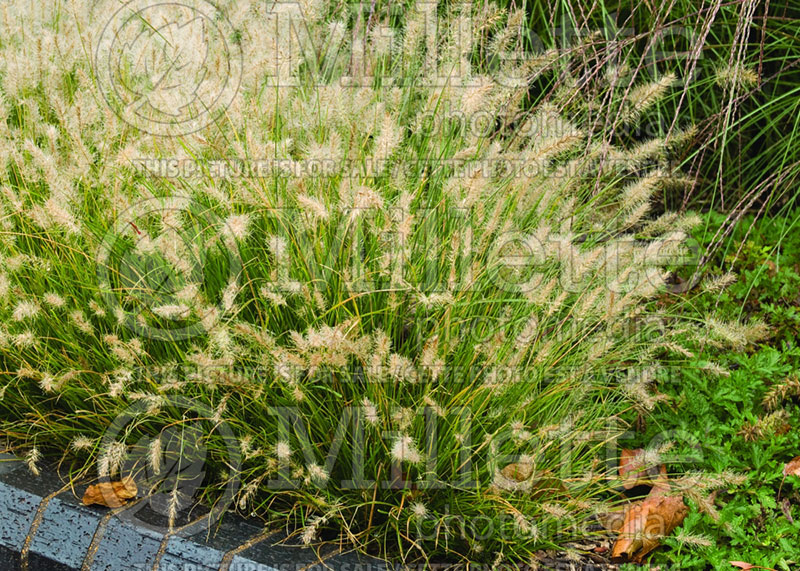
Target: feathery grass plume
x=733 y=334
x=173 y=506
x=682 y=536
x=283 y=450
x=48 y=383
x=419 y=510
x=247 y=493
x=82 y=442
x=229 y=295
x=780 y=392
x=317 y=473
x=312 y=528
x=97 y=309
x=644 y=97
x=24 y=340
x=370 y=411
x=25 y=310
x=549 y=134
x=5 y=286
x=737 y=76
x=80 y=321
x=111 y=459
x=719 y=283
x=715 y=369
x=387 y=141
x=236 y=226
x=640 y=191
x=313 y=207
x=32 y=458
x=154 y=455
x=405 y=450
x=172 y=311
x=53 y=300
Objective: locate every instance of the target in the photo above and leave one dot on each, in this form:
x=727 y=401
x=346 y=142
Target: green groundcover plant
x=744 y=420
x=408 y=311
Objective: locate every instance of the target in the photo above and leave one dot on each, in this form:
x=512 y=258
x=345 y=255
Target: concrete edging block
x=45 y=527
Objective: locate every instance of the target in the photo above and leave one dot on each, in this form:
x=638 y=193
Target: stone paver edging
x=45 y=527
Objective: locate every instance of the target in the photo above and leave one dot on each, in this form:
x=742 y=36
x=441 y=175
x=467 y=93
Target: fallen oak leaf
x=792 y=467
x=647 y=522
x=110 y=494
x=745 y=565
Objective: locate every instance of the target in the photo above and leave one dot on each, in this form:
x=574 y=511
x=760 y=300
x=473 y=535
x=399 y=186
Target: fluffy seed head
x=405 y=450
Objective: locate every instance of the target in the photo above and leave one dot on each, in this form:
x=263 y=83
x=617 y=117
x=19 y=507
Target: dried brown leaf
x=646 y=522
x=745 y=565
x=110 y=494
x=792 y=467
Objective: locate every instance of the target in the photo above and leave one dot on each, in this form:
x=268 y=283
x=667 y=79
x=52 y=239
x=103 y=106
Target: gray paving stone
x=206 y=549
x=182 y=554
x=18 y=508
x=125 y=546
x=64 y=534
x=131 y=539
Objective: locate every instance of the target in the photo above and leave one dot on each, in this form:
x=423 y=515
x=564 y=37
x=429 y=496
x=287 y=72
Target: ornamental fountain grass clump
x=428 y=310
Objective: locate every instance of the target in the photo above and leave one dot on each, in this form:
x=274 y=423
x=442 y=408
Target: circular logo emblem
x=168 y=68
x=164 y=267
x=169 y=461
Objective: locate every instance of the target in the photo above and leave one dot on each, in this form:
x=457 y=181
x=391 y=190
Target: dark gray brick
x=182 y=554
x=206 y=549
x=131 y=541
x=18 y=509
x=64 y=534
x=125 y=546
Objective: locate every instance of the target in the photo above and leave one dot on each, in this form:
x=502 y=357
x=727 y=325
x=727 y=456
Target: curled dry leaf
x=745 y=565
x=792 y=467
x=647 y=521
x=110 y=494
